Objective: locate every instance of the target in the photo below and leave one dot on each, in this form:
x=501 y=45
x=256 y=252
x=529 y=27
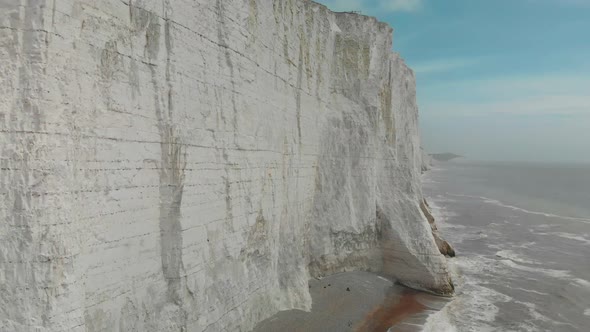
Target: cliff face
x=427 y=161
x=189 y=165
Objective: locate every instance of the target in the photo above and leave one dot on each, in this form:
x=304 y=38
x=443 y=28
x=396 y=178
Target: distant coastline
x=447 y=156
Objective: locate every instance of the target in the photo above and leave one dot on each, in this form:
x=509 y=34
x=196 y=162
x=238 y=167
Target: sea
x=522 y=236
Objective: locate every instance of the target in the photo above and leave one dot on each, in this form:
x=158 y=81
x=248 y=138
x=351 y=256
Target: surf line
x=516 y=208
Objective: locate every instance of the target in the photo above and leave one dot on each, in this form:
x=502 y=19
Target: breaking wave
x=516 y=208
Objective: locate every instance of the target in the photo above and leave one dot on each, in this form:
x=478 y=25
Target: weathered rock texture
x=443 y=246
x=427 y=161
x=189 y=165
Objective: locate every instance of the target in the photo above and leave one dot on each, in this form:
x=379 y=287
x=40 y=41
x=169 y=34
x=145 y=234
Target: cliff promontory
x=190 y=165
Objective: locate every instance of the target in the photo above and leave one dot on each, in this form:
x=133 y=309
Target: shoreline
x=511 y=234
x=358 y=302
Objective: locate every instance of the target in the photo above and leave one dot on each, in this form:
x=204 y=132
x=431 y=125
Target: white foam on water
x=527 y=245
x=537 y=316
x=524 y=327
x=582 y=282
x=569 y=236
x=511 y=255
x=547 y=272
x=530 y=291
x=474 y=306
x=501 y=246
x=533 y=311
x=428 y=180
x=467 y=196
x=516 y=208
x=440 y=213
x=455 y=233
x=474 y=265
x=545 y=226
x=382 y=278
x=439 y=322
x=459 y=237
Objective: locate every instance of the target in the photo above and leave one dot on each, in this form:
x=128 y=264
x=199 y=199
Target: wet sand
x=391 y=312
x=359 y=302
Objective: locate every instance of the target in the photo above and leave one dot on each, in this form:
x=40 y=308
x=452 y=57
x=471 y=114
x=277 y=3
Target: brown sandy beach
x=359 y=302
x=391 y=312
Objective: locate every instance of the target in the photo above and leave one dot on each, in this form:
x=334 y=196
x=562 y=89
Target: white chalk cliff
x=190 y=165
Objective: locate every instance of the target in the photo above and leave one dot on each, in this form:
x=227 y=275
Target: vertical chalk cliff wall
x=188 y=165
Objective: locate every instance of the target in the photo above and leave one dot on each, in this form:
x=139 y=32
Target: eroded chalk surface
x=190 y=165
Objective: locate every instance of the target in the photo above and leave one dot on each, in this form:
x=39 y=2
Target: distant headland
x=444 y=156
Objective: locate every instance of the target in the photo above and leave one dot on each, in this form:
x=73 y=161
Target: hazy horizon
x=497 y=80
x=471 y=160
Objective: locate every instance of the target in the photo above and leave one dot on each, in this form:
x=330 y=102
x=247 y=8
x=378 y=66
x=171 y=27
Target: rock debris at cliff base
x=173 y=165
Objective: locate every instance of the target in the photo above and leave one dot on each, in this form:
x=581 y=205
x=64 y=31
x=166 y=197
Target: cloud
x=442 y=66
x=400 y=5
x=508 y=87
x=514 y=117
x=582 y=3
x=551 y=105
x=532 y=85
x=534 y=95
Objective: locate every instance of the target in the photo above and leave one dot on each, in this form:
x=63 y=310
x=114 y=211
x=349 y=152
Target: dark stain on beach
x=393 y=310
x=356 y=301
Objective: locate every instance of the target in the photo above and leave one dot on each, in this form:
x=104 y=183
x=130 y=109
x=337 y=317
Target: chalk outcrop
x=427 y=161
x=443 y=246
x=189 y=165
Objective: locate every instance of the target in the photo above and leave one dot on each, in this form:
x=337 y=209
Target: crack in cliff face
x=252 y=22
x=172 y=164
x=222 y=36
x=298 y=88
x=386 y=108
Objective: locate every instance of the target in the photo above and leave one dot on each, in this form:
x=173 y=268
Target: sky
x=502 y=80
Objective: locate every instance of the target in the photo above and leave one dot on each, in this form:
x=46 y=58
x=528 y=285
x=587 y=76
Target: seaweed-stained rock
x=189 y=165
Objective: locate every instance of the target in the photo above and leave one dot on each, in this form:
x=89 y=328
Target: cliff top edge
x=353 y=13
